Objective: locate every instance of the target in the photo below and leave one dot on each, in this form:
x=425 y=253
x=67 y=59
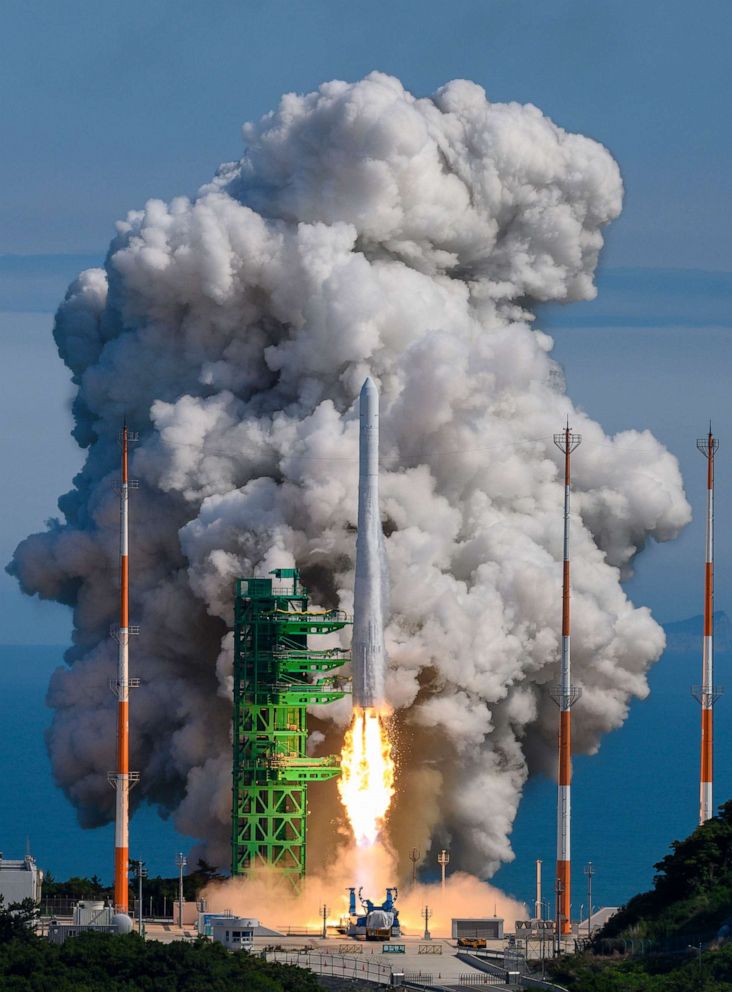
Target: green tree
x=101 y=962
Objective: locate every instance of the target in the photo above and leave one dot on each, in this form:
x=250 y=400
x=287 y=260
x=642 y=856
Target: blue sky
x=107 y=104
x=113 y=103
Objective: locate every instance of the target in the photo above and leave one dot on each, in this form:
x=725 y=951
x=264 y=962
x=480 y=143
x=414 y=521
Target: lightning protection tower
x=123 y=779
x=443 y=860
x=277 y=675
x=414 y=856
x=565 y=695
x=706 y=693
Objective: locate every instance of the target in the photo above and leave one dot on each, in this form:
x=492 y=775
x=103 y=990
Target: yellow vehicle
x=474 y=942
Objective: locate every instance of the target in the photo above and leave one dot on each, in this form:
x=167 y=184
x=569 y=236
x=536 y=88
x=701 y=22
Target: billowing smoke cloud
x=363 y=232
x=272 y=898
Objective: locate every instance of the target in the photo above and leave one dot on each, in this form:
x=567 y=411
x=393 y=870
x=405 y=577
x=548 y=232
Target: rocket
x=368 y=655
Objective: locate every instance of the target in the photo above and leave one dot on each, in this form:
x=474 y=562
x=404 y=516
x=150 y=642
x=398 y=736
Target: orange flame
x=366 y=785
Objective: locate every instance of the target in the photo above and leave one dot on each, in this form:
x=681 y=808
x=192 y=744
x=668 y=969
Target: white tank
x=122 y=923
x=379 y=919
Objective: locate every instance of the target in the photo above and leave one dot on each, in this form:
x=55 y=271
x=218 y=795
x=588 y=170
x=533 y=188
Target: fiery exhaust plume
x=366 y=785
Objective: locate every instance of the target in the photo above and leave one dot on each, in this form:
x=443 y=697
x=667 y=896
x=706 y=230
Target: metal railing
x=480 y=979
x=484 y=966
x=341 y=965
x=163 y=908
x=539 y=983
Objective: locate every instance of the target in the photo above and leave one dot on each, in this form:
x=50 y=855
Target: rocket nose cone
x=369 y=387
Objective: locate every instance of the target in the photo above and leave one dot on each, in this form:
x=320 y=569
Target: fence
x=610 y=946
x=513 y=961
x=342 y=966
x=486 y=967
x=482 y=979
x=152 y=908
x=509 y=978
x=57 y=906
x=486 y=955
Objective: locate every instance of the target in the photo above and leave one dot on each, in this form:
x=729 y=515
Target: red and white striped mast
x=565 y=695
x=123 y=779
x=706 y=693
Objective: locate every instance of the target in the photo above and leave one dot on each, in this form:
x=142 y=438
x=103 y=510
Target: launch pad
x=277 y=675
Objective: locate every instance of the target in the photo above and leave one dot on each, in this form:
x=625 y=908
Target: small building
x=20 y=880
x=90 y=915
x=92 y=912
x=478 y=928
x=598 y=920
x=206 y=920
x=236 y=933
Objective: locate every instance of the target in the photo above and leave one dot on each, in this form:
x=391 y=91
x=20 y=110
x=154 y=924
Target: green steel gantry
x=277 y=675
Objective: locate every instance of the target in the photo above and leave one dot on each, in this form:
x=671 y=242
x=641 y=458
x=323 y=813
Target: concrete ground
x=435 y=959
x=427 y=957
x=427 y=962
x=167 y=932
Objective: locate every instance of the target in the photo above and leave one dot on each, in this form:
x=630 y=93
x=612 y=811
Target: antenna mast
x=123 y=779
x=565 y=695
x=706 y=693
x=443 y=860
x=414 y=856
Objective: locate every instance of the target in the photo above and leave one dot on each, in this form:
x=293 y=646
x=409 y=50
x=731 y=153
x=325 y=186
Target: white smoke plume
x=364 y=232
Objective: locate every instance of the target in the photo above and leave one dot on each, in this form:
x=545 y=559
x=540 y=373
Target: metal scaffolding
x=277 y=675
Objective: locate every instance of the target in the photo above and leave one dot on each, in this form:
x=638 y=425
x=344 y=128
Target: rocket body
x=368 y=655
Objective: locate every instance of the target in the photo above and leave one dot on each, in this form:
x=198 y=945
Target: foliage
x=671 y=973
x=75 y=887
x=17 y=923
x=692 y=892
x=690 y=901
x=158 y=888
x=99 y=962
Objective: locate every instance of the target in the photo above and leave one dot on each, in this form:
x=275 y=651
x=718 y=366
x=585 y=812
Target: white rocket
x=368 y=656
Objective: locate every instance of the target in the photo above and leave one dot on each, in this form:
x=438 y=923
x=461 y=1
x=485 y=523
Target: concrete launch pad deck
x=428 y=961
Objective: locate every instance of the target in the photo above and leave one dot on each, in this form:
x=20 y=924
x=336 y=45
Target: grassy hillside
x=683 y=925
x=692 y=891
x=665 y=973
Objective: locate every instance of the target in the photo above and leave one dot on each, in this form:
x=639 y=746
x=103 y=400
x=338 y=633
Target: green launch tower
x=277 y=675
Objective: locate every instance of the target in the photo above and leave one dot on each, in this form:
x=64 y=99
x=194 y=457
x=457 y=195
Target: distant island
x=685 y=636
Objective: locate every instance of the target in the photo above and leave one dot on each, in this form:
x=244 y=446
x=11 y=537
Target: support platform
x=277 y=675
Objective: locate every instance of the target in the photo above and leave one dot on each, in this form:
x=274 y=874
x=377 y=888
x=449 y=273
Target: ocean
x=634 y=797
x=639 y=793
x=35 y=814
